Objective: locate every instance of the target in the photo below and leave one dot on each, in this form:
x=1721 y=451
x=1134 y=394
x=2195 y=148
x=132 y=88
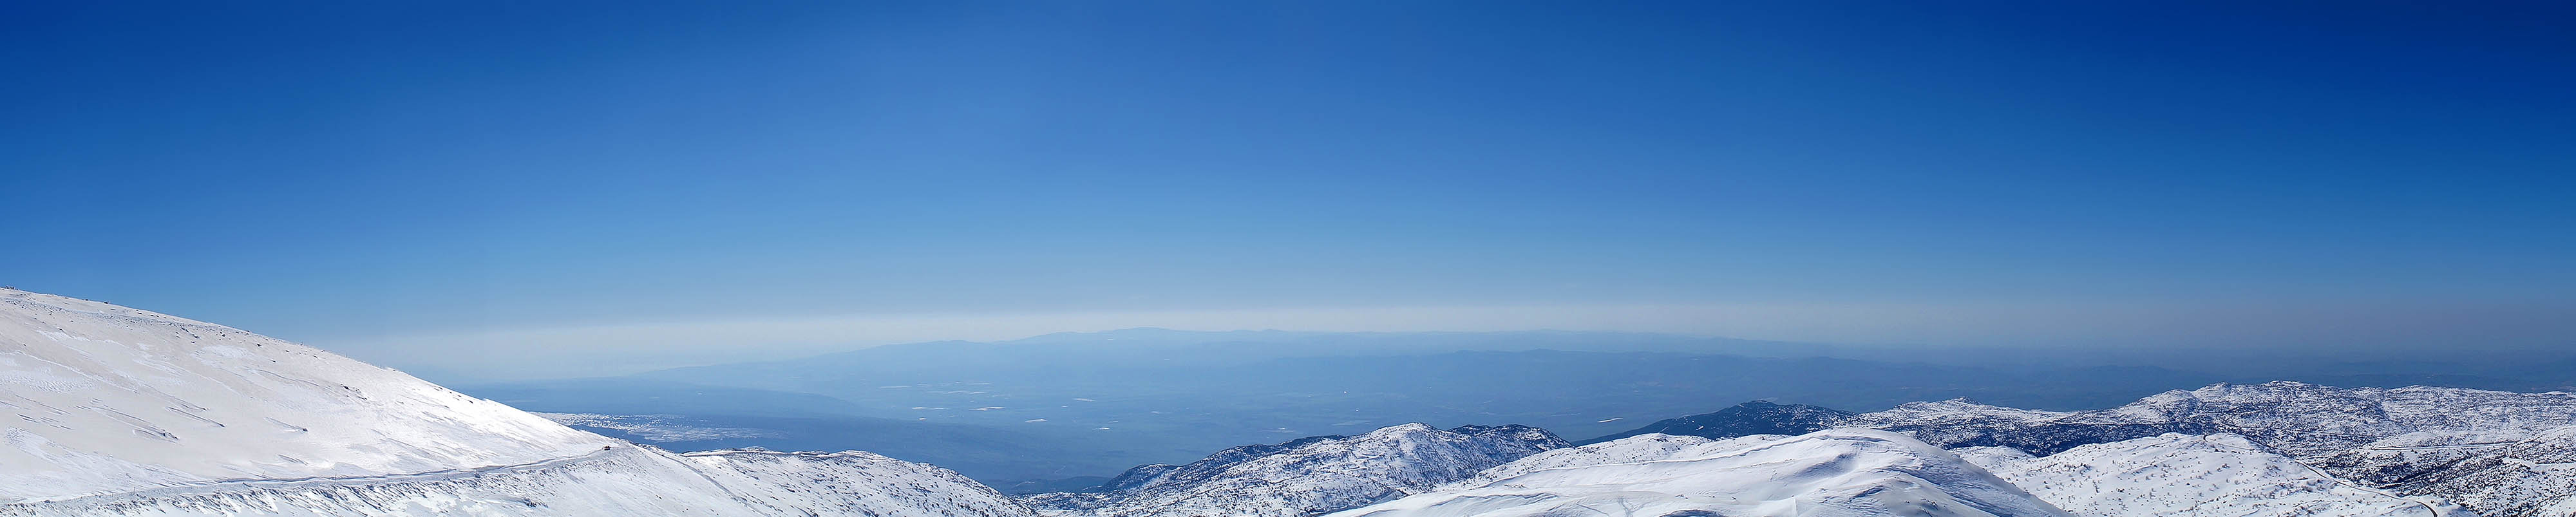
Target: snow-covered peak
x=1308 y=475
x=111 y=399
x=1839 y=473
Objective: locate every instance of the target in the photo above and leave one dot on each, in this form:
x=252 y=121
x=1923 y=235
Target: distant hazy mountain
x=1747 y=419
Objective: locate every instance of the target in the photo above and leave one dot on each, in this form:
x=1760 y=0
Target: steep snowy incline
x=128 y=413
x=2180 y=475
x=1835 y=473
x=110 y=399
x=1306 y=476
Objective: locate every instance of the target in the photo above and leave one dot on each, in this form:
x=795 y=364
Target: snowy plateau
x=117 y=411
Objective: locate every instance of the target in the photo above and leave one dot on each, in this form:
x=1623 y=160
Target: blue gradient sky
x=391 y=179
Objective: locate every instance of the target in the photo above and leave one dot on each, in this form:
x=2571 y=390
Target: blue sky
x=403 y=180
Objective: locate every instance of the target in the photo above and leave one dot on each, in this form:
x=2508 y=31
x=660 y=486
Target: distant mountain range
x=2269 y=449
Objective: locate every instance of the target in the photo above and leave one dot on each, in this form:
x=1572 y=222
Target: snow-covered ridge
x=1835 y=473
x=2495 y=453
x=1306 y=476
x=2302 y=420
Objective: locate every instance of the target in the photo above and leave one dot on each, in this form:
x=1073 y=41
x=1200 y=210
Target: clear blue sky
x=370 y=176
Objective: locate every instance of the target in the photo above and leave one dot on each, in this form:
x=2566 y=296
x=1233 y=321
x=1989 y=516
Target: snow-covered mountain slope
x=1306 y=476
x=2416 y=440
x=125 y=412
x=111 y=399
x=1836 y=473
x=1747 y=419
x=620 y=481
x=1650 y=447
x=2220 y=475
x=2535 y=477
x=2301 y=420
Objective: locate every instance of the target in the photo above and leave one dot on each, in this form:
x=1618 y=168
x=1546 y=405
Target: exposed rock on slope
x=1306 y=476
x=1838 y=473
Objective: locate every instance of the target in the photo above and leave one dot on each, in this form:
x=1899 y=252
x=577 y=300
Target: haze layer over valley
x=1061 y=410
